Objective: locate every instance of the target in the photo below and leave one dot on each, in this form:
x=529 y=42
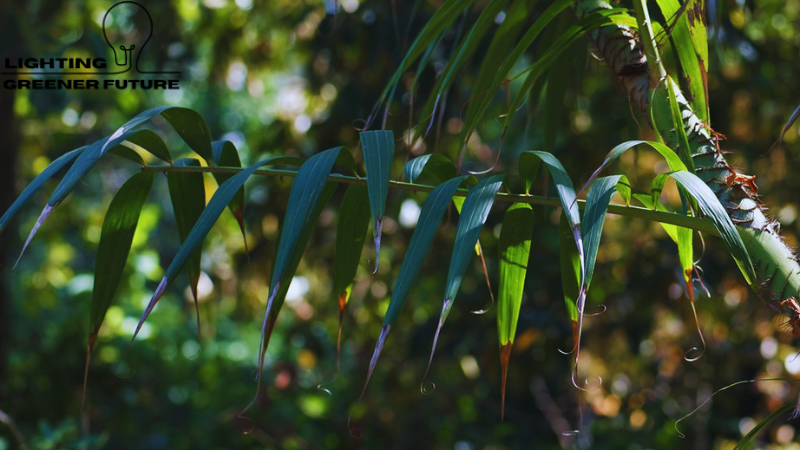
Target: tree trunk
x=776 y=267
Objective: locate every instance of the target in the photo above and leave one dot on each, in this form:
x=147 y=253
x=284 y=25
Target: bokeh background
x=291 y=77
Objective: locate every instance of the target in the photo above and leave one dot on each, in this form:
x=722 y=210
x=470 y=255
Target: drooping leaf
x=763 y=423
x=693 y=74
x=310 y=191
x=570 y=262
x=429 y=219
x=351 y=230
x=226 y=155
x=438 y=24
x=673 y=160
x=501 y=74
x=514 y=247
x=711 y=207
x=474 y=213
x=378 y=149
x=594 y=216
x=151 y=142
x=219 y=201
x=187 y=192
x=54 y=167
x=435 y=164
x=116 y=237
x=460 y=56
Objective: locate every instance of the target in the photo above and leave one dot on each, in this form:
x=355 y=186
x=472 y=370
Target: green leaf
x=594 y=216
x=514 y=247
x=187 y=192
x=673 y=161
x=351 y=230
x=501 y=74
x=127 y=153
x=151 y=142
x=54 y=167
x=116 y=236
x=438 y=24
x=219 y=201
x=692 y=67
x=310 y=192
x=763 y=423
x=696 y=17
x=714 y=210
x=226 y=155
x=429 y=219
x=435 y=164
x=378 y=149
x=573 y=34
x=570 y=271
x=465 y=49
x=474 y=213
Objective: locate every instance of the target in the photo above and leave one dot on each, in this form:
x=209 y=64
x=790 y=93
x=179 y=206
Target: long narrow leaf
x=226 y=155
x=429 y=219
x=473 y=215
x=187 y=192
x=351 y=230
x=515 y=248
x=378 y=149
x=594 y=217
x=116 y=237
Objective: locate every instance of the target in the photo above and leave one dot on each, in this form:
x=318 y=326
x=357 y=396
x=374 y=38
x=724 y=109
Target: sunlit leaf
x=594 y=216
x=514 y=247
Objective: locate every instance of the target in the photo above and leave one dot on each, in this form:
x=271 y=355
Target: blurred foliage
x=286 y=77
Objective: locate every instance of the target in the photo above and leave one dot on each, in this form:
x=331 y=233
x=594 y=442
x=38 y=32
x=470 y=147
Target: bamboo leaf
x=673 y=161
x=309 y=194
x=570 y=271
x=435 y=164
x=474 y=213
x=116 y=237
x=681 y=36
x=594 y=216
x=438 y=24
x=219 y=201
x=714 y=210
x=378 y=151
x=429 y=219
x=152 y=142
x=465 y=49
x=500 y=75
x=127 y=153
x=226 y=155
x=32 y=188
x=187 y=193
x=515 y=248
x=351 y=230
x=763 y=423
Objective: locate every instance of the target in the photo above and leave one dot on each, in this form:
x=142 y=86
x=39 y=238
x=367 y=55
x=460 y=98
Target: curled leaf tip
x=42 y=217
x=266 y=331
x=445 y=308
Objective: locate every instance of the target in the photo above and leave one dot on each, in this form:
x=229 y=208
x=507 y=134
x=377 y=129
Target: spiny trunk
x=777 y=269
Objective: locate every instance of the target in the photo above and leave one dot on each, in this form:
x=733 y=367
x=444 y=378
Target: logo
x=126 y=59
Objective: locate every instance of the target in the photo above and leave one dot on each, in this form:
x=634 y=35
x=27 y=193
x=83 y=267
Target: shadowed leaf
x=351 y=230
x=187 y=192
x=429 y=219
x=435 y=164
x=474 y=213
x=116 y=237
x=226 y=155
x=378 y=150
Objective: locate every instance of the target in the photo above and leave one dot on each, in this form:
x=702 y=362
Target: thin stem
x=648 y=38
x=693 y=223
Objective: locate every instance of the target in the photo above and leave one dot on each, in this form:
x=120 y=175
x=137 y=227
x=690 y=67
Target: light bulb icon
x=124 y=55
